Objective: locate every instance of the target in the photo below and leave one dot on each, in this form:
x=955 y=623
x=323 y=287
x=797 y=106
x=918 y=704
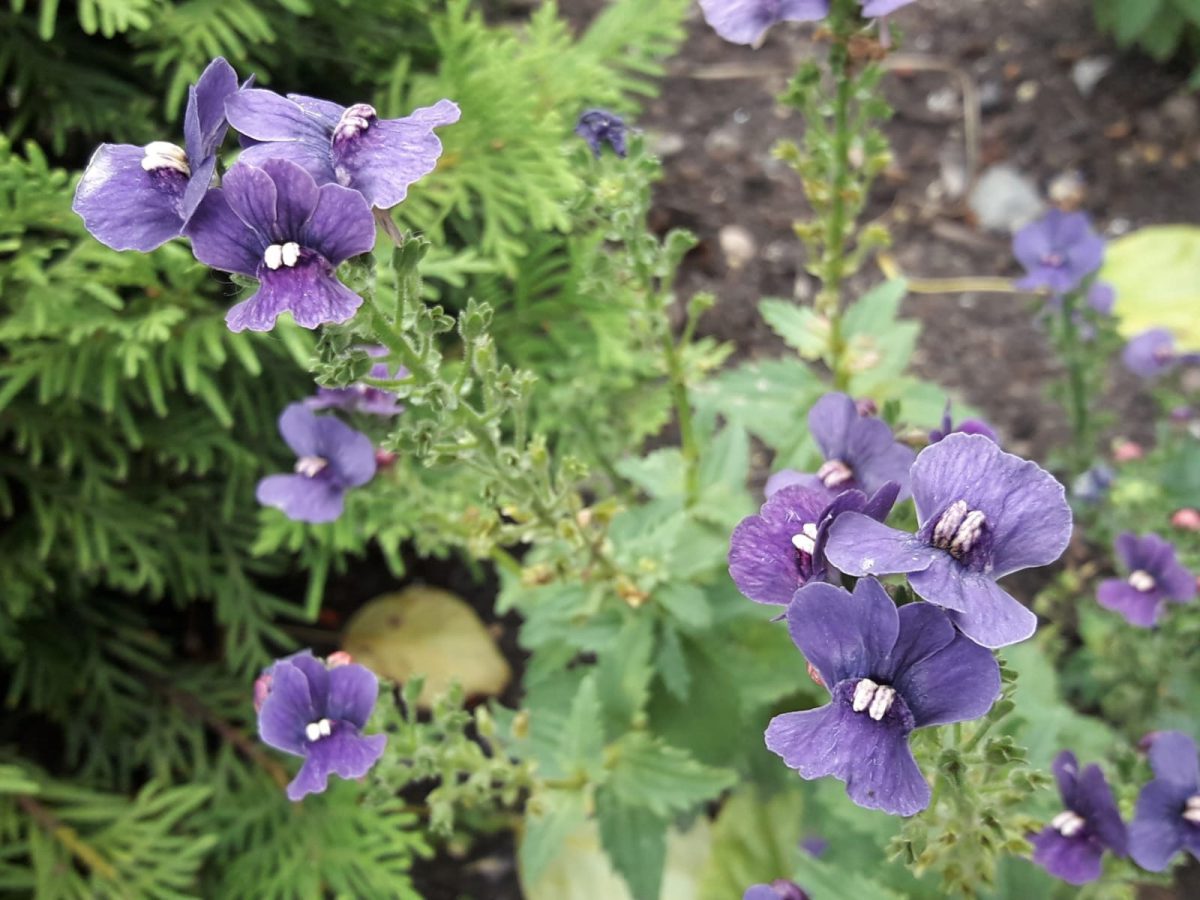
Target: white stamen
x=864 y=692
x=834 y=473
x=310 y=466
x=290 y=253
x=881 y=702
x=1068 y=823
x=968 y=533
x=312 y=731
x=165 y=155
x=273 y=256
x=1141 y=580
x=806 y=540
x=948 y=524
x=325 y=727
x=354 y=121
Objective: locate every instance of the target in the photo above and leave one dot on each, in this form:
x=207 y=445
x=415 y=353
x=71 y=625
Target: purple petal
x=251 y=195
x=983 y=610
x=876 y=457
x=222 y=240
x=1150 y=353
x=265 y=116
x=1158 y=830
x=858 y=545
x=350 y=453
x=830 y=421
x=345 y=752
x=391 y=154
x=296 y=199
x=310 y=155
x=302 y=499
x=316 y=673
x=341 y=225
x=326 y=112
x=309 y=292
x=124 y=206
x=197 y=186
x=287 y=710
x=1096 y=804
x=843 y=635
x=873 y=9
x=1066 y=772
x=300 y=429
x=1173 y=759
x=1075 y=860
x=1140 y=608
x=1157 y=557
x=1030 y=244
x=747 y=21
x=789 y=478
x=763 y=562
x=204 y=123
x=353 y=690
x=760 y=892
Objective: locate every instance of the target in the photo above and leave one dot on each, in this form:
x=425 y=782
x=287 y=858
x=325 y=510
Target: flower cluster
x=747 y=21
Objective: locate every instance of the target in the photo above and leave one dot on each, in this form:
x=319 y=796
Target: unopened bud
x=1187 y=519
x=338 y=658
x=1127 y=451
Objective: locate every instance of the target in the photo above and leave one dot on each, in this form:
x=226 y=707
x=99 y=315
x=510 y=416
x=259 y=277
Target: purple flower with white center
x=747 y=21
x=966 y=426
x=773 y=553
x=331 y=458
x=599 y=127
x=1072 y=845
x=1156 y=577
x=274 y=224
x=861 y=453
x=889 y=671
x=361 y=397
x=319 y=713
x=138 y=198
x=1167 y=817
x=982 y=514
x=350 y=146
x=1058 y=251
x=1153 y=352
x=779 y=889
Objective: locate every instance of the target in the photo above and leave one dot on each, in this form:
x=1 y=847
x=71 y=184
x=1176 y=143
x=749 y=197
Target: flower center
x=282 y=255
x=806 y=540
x=834 y=473
x=875 y=699
x=958 y=529
x=165 y=155
x=1141 y=580
x=1054 y=260
x=314 y=731
x=354 y=121
x=311 y=466
x=1191 y=812
x=1068 y=823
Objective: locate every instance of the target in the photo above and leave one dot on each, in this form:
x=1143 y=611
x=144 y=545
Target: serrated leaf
x=624 y=673
x=687 y=604
x=770 y=399
x=799 y=326
x=559 y=814
x=635 y=839
x=667 y=781
x=672 y=665
x=582 y=746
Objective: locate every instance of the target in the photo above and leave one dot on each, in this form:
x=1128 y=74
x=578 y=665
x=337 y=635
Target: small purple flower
x=966 y=426
x=873 y=9
x=318 y=713
x=982 y=514
x=332 y=458
x=783 y=547
x=779 y=889
x=1101 y=298
x=1167 y=818
x=747 y=21
x=814 y=845
x=861 y=453
x=274 y=224
x=1091 y=486
x=138 y=198
x=1058 y=251
x=350 y=146
x=1155 y=577
x=889 y=671
x=1153 y=352
x=1072 y=845
x=362 y=397
x=599 y=127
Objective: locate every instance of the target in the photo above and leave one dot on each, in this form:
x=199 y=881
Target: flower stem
x=1081 y=449
x=683 y=410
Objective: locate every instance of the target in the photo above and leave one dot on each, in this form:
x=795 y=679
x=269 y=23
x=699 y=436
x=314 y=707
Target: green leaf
x=672 y=665
x=1156 y=273
x=687 y=604
x=558 y=814
x=800 y=327
x=770 y=399
x=635 y=839
x=624 y=673
x=583 y=735
x=648 y=773
x=874 y=312
x=1131 y=18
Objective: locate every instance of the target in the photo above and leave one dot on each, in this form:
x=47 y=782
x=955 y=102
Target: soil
x=1135 y=140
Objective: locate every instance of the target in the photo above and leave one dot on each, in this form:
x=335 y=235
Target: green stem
x=1081 y=450
x=683 y=410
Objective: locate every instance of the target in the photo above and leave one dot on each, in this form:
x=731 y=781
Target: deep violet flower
x=1167 y=817
x=982 y=514
x=889 y=671
x=138 y=198
x=1058 y=251
x=747 y=21
x=1072 y=845
x=779 y=889
x=274 y=224
x=861 y=453
x=361 y=397
x=1153 y=352
x=773 y=553
x=318 y=713
x=966 y=426
x=350 y=146
x=599 y=127
x=332 y=458
x=1156 y=577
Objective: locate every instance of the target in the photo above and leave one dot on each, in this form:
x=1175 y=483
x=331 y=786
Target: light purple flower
x=599 y=127
x=861 y=453
x=1101 y=298
x=138 y=198
x=779 y=889
x=318 y=713
x=773 y=553
x=1058 y=251
x=1155 y=577
x=331 y=458
x=363 y=397
x=889 y=671
x=873 y=9
x=350 y=146
x=1153 y=352
x=1167 y=818
x=982 y=514
x=1091 y=486
x=966 y=426
x=747 y=21
x=1072 y=845
x=274 y=224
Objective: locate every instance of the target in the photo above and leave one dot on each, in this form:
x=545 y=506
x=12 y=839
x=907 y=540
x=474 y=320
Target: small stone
x=1027 y=91
x=668 y=143
x=1068 y=190
x=1004 y=200
x=738 y=245
x=723 y=144
x=1182 y=110
x=943 y=102
x=1087 y=72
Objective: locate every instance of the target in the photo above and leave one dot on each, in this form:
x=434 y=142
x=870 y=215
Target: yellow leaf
x=1156 y=273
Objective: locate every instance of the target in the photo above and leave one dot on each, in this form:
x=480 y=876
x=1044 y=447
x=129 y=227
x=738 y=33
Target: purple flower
x=319 y=713
x=1101 y=298
x=332 y=458
x=1071 y=846
x=1153 y=352
x=1058 y=251
x=599 y=127
x=1091 y=486
x=982 y=514
x=138 y=198
x=861 y=453
x=873 y=9
x=966 y=426
x=350 y=146
x=274 y=224
x=888 y=672
x=1167 y=818
x=362 y=397
x=779 y=889
x=747 y=21
x=1155 y=577
x=783 y=547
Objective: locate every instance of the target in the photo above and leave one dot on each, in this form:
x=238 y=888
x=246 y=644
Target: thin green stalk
x=1081 y=451
x=683 y=410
